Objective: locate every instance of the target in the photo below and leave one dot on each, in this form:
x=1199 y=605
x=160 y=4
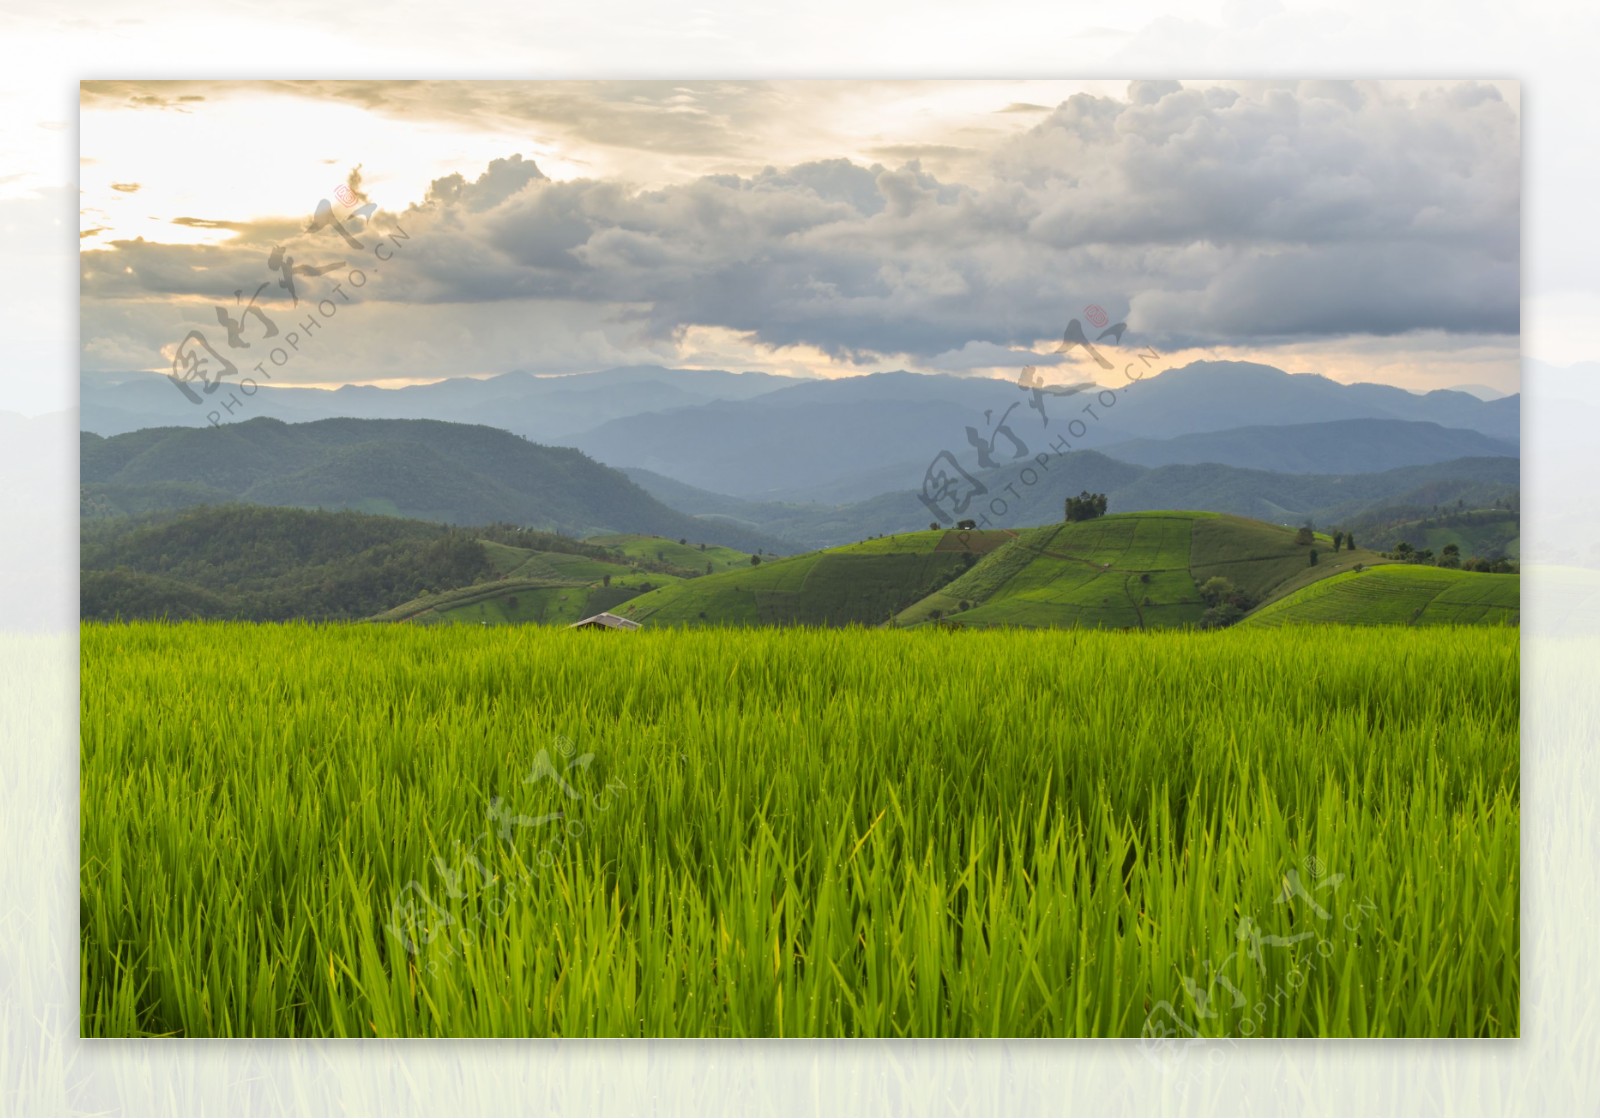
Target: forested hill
x=265 y=564
x=425 y=469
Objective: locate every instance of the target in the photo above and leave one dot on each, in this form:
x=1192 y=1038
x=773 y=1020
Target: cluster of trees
x=1306 y=536
x=1225 y=603
x=1405 y=553
x=1487 y=529
x=1086 y=506
x=1450 y=556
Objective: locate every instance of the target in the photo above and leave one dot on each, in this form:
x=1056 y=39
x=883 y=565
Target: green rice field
x=1401 y=594
x=405 y=831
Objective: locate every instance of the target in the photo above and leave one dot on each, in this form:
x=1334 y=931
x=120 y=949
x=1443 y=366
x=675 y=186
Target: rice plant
x=360 y=830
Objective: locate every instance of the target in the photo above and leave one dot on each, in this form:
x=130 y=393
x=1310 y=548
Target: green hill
x=1128 y=571
x=262 y=563
x=687 y=558
x=1487 y=533
x=266 y=564
x=459 y=474
x=525 y=601
x=1400 y=594
x=1125 y=571
x=865 y=583
x=553 y=588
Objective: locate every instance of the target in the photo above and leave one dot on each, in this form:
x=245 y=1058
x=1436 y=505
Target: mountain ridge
x=424 y=469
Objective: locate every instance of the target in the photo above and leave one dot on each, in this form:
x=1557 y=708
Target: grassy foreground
x=357 y=830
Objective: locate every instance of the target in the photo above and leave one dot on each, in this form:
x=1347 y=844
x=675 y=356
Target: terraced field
x=690 y=558
x=536 y=587
x=1262 y=560
x=557 y=588
x=865 y=583
x=1400 y=594
x=519 y=602
x=1125 y=571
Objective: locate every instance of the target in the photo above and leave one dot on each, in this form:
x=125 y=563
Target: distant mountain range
x=840 y=440
x=765 y=437
x=471 y=474
x=540 y=407
x=1276 y=497
x=1335 y=447
x=423 y=469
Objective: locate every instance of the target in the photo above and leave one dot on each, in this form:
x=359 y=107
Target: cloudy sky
x=1366 y=231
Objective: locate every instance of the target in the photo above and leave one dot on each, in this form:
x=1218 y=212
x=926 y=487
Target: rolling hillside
x=261 y=563
x=675 y=555
x=265 y=564
x=1489 y=533
x=1124 y=571
x=1148 y=570
x=418 y=469
x=552 y=588
x=864 y=584
x=526 y=600
x=1129 y=571
x=1400 y=594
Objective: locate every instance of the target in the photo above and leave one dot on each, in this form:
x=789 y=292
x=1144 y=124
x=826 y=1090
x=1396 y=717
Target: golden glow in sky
x=220 y=168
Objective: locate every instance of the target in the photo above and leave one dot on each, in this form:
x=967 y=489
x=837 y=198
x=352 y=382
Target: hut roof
x=605 y=621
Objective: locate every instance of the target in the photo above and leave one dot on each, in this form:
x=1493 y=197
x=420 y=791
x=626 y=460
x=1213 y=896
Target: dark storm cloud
x=1206 y=216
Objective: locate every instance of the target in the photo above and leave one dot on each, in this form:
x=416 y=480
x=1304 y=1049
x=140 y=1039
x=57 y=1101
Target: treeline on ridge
x=266 y=563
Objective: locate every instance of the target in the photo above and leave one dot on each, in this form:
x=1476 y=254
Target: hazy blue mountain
x=838 y=440
x=423 y=469
x=835 y=440
x=540 y=407
x=1335 y=447
x=686 y=498
x=766 y=438
x=1266 y=495
x=1482 y=392
x=1221 y=395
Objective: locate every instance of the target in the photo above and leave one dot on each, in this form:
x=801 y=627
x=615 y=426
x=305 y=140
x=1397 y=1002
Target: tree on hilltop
x=1086 y=506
